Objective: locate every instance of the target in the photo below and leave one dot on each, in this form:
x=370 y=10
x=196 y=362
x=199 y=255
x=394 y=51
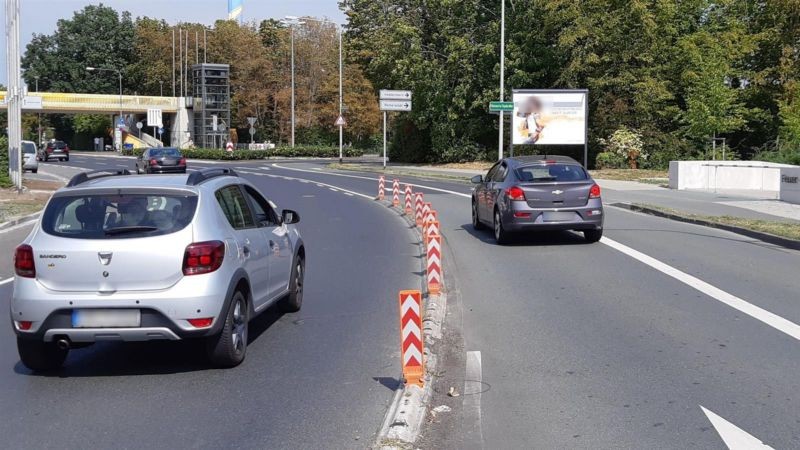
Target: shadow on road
x=108 y=359
x=530 y=239
x=392 y=383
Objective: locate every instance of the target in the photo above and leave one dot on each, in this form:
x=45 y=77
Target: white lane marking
x=334 y=190
x=6 y=281
x=422 y=186
x=473 y=386
x=345 y=191
x=773 y=320
x=734 y=437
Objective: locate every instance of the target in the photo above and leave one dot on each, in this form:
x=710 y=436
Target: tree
x=60 y=59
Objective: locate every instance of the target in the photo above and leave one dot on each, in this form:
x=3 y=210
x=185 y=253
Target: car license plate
x=558 y=216
x=106 y=318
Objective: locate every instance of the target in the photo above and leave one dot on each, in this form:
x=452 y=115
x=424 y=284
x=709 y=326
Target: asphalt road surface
x=619 y=344
x=320 y=378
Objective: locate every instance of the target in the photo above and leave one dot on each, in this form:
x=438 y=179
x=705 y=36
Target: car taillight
x=24 y=265
x=201 y=323
x=203 y=257
x=594 y=192
x=49 y=150
x=182 y=162
x=66 y=148
x=153 y=162
x=515 y=193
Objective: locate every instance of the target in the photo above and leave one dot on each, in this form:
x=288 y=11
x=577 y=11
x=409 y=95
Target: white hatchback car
x=29 y=161
x=125 y=258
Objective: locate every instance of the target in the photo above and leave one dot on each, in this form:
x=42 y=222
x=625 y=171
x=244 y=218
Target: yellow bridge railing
x=58 y=102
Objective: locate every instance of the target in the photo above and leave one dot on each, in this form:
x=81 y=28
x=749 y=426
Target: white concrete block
x=790 y=185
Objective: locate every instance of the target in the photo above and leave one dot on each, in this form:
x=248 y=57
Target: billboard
x=234 y=9
x=549 y=117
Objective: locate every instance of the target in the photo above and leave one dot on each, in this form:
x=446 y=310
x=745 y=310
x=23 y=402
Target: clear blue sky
x=40 y=16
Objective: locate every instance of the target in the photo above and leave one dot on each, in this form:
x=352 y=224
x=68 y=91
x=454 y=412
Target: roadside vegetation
x=306 y=151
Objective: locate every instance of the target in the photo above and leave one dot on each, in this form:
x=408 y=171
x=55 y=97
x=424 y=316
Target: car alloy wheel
x=476 y=221
x=500 y=234
x=239 y=326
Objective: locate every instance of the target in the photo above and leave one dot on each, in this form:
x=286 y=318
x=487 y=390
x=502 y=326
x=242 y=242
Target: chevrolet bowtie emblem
x=558 y=192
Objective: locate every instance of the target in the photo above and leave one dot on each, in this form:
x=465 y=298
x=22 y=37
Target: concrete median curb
x=766 y=237
x=19 y=221
x=404 y=420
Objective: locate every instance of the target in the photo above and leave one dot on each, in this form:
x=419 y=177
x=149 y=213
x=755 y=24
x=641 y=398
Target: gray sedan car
x=531 y=193
x=122 y=258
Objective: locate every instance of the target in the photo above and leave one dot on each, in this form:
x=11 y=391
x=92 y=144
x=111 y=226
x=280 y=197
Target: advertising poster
x=549 y=117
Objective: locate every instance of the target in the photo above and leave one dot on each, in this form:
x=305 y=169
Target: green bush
x=306 y=151
x=5 y=179
x=609 y=160
x=782 y=153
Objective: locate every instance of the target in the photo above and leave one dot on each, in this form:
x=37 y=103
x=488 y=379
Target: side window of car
x=264 y=214
x=492 y=172
x=234 y=205
x=500 y=174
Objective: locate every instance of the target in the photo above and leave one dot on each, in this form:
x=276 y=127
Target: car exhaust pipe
x=63 y=343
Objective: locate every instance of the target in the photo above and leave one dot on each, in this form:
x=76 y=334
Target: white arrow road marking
x=773 y=320
x=734 y=437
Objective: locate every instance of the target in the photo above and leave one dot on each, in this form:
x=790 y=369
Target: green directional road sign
x=501 y=106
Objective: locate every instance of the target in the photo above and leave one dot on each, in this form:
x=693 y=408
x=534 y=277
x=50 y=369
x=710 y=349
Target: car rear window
x=551 y=172
x=59 y=144
x=112 y=216
x=157 y=153
x=28 y=148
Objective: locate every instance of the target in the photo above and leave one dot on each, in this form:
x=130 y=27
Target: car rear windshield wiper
x=130 y=229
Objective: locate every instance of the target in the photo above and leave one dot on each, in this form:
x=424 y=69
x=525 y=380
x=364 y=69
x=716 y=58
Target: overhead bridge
x=69 y=103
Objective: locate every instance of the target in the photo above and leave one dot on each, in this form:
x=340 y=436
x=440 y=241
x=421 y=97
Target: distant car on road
x=531 y=193
x=54 y=150
x=161 y=160
x=29 y=160
x=123 y=258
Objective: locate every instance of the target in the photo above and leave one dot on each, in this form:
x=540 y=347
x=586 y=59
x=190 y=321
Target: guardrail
x=78 y=103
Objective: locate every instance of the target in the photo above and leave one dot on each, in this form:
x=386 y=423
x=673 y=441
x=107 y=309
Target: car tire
x=294 y=301
x=138 y=170
x=39 y=355
x=45 y=158
x=476 y=221
x=229 y=346
x=592 y=236
x=34 y=170
x=66 y=159
x=500 y=234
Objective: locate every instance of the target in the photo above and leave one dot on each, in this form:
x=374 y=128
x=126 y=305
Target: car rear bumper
x=167 y=169
x=164 y=314
x=589 y=217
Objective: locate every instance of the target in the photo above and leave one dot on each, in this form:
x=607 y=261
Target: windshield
x=551 y=173
x=118 y=216
x=28 y=148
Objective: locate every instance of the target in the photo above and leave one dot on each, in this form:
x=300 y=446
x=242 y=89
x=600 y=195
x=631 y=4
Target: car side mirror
x=477 y=179
x=289 y=217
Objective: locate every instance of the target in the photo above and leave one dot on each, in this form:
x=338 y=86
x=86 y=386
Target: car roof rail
x=83 y=177
x=202 y=175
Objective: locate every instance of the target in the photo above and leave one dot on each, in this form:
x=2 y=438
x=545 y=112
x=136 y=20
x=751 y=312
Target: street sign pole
x=384 y=140
x=502 y=72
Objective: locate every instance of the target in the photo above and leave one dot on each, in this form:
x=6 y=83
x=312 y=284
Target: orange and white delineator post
x=395 y=192
x=434 y=252
x=431 y=216
x=418 y=206
x=409 y=204
x=381 y=187
x=431 y=229
x=426 y=209
x=411 y=341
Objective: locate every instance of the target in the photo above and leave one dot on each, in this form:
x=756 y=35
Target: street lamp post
x=502 y=72
x=39 y=117
x=292 y=20
x=119 y=72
